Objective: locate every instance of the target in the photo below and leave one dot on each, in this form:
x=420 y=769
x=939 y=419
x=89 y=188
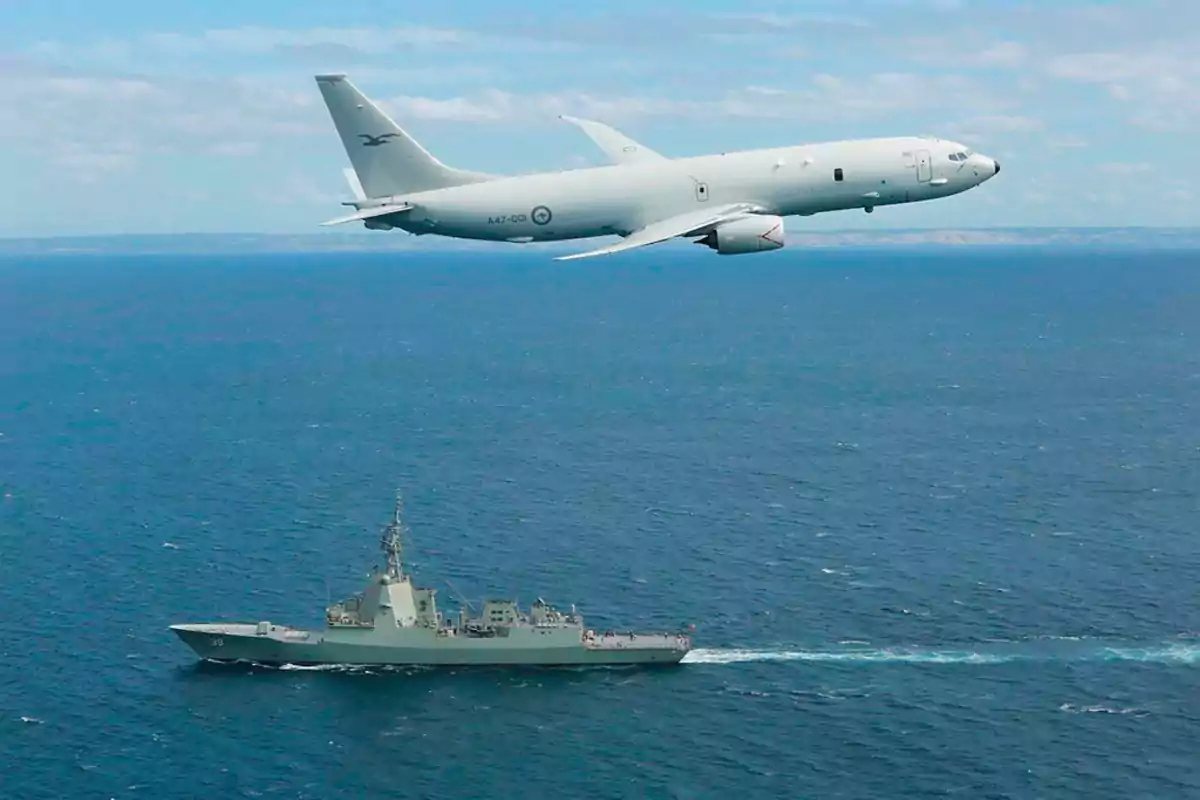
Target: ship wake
x=1165 y=653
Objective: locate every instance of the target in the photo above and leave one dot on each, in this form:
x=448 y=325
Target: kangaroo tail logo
x=375 y=141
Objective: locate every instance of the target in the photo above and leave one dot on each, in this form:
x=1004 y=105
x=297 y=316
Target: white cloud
x=1157 y=83
x=94 y=127
x=1003 y=54
x=1160 y=67
x=1125 y=167
x=825 y=98
x=1006 y=75
x=984 y=128
x=1139 y=53
x=326 y=46
x=300 y=190
x=83 y=163
x=365 y=40
x=492 y=107
x=968 y=51
x=1161 y=90
x=788 y=22
x=257 y=41
x=235 y=149
x=1067 y=141
x=1000 y=123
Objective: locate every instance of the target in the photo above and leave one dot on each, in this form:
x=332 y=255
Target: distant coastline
x=233 y=243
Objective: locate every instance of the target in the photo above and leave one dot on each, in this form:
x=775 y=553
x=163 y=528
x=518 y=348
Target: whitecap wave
x=1099 y=709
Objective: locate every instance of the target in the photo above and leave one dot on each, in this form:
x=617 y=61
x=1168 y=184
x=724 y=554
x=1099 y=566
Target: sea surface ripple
x=933 y=514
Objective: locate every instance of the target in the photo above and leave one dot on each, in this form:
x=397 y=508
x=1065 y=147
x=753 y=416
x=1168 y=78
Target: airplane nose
x=986 y=167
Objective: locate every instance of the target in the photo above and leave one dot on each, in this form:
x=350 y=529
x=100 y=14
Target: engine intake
x=753 y=234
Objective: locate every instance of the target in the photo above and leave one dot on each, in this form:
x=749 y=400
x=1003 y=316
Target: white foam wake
x=1168 y=654
x=911 y=655
x=1174 y=653
x=316 y=667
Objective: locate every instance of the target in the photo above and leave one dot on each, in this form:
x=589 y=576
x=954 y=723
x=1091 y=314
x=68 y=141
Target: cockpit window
x=958 y=156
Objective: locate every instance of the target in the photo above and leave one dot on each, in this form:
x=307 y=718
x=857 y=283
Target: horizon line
x=810 y=232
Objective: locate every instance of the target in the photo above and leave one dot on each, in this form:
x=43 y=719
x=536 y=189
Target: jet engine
x=752 y=234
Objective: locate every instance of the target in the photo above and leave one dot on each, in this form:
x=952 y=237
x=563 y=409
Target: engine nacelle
x=753 y=234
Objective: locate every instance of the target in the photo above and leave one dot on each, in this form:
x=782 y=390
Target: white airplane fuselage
x=735 y=201
x=618 y=199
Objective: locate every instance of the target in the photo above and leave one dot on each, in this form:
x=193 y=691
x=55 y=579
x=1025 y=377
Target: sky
x=140 y=116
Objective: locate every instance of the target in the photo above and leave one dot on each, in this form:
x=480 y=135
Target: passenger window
x=837 y=174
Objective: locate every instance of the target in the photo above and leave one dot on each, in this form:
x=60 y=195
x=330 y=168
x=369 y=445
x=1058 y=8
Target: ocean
x=932 y=512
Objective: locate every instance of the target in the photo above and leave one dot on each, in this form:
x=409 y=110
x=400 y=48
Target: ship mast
x=390 y=541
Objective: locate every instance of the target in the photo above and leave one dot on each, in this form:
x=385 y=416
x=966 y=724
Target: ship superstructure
x=394 y=621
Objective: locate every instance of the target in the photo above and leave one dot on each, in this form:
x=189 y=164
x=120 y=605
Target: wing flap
x=371 y=213
x=690 y=223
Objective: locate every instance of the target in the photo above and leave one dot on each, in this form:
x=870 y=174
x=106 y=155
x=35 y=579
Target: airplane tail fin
x=355 y=184
x=385 y=158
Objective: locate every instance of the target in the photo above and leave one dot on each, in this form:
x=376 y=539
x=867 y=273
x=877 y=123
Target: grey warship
x=394 y=622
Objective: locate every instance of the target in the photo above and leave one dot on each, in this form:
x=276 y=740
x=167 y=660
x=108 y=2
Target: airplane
x=732 y=203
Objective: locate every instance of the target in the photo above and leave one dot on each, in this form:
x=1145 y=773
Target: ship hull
x=234 y=642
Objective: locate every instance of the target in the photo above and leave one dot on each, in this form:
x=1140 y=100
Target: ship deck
x=637 y=641
x=281 y=633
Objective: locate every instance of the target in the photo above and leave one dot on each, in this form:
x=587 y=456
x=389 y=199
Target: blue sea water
x=933 y=514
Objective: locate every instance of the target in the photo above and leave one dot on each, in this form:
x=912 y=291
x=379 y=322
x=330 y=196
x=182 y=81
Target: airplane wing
x=370 y=213
x=619 y=148
x=691 y=223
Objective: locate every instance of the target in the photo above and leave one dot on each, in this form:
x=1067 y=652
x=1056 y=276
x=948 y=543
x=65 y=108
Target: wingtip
x=588 y=254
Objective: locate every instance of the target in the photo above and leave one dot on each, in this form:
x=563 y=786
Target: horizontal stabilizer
x=619 y=148
x=693 y=223
x=371 y=213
